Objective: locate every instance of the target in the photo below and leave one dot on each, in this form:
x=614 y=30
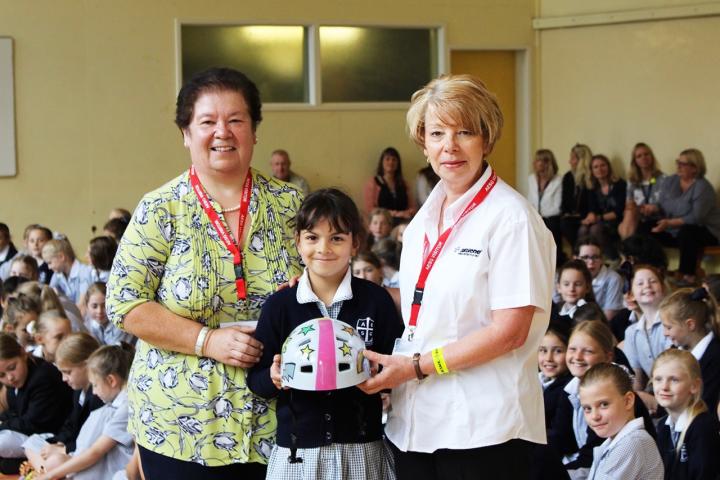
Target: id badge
x=403 y=347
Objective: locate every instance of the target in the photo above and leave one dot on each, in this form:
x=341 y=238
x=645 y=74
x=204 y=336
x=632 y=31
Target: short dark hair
x=641 y=248
x=5 y=229
x=334 y=206
x=102 y=252
x=116 y=227
x=588 y=240
x=217 y=79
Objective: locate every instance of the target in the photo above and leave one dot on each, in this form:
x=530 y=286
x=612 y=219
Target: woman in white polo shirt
x=475 y=282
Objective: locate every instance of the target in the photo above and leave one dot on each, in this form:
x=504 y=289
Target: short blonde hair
x=695 y=157
x=457 y=100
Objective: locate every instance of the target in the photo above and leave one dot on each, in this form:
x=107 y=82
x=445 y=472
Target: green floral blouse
x=182 y=406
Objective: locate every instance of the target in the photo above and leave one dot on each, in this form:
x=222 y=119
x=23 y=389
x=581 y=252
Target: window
x=274 y=57
x=314 y=65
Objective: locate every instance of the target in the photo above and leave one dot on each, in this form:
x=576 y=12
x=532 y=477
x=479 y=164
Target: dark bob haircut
x=334 y=206
x=217 y=79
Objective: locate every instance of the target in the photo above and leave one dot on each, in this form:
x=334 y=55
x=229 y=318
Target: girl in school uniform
x=690 y=321
x=97 y=321
x=71 y=359
x=37 y=399
x=574 y=285
x=590 y=344
x=345 y=424
x=104 y=447
x=644 y=339
x=629 y=452
x=48 y=331
x=554 y=373
x=688 y=436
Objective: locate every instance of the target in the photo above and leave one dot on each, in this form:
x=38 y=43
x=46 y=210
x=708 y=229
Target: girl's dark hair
x=588 y=240
x=589 y=311
x=580 y=266
x=644 y=249
x=116 y=227
x=112 y=360
x=369 y=257
x=560 y=329
x=334 y=206
x=9 y=347
x=391 y=152
x=102 y=252
x=218 y=80
x=11 y=284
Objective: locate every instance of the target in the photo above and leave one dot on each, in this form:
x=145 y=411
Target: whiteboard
x=7 y=110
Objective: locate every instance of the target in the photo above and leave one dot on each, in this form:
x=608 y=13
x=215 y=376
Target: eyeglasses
x=680 y=163
x=590 y=258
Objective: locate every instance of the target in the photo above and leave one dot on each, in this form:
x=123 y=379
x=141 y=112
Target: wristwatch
x=416 y=363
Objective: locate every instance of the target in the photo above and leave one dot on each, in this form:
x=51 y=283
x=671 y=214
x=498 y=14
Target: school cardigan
x=71 y=428
x=553 y=394
x=321 y=418
x=710 y=370
x=699 y=457
x=39 y=406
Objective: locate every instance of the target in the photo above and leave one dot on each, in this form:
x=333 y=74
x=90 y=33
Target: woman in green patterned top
x=198 y=260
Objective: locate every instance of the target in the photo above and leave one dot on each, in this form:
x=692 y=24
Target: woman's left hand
x=661 y=225
x=397 y=369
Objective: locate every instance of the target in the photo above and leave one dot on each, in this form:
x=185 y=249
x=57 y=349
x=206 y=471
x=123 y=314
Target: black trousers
x=690 y=240
x=160 y=467
x=508 y=461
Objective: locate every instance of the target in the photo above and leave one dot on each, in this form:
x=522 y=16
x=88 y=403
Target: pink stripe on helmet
x=326 y=378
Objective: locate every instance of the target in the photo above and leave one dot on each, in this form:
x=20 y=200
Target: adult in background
x=388 y=189
x=643 y=193
x=425 y=181
x=280 y=167
x=690 y=215
x=195 y=265
x=545 y=194
x=575 y=184
x=481 y=311
x=606 y=204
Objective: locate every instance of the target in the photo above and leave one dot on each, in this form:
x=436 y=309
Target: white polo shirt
x=500 y=256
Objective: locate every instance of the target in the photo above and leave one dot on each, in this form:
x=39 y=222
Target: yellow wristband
x=439 y=361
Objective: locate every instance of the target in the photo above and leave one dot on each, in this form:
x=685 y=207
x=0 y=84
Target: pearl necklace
x=231 y=209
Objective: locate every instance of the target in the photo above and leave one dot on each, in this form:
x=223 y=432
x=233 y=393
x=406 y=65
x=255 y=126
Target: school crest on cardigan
x=365 y=328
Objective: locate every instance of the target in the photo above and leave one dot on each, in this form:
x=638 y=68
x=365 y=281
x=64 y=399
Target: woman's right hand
x=50 y=449
x=234 y=346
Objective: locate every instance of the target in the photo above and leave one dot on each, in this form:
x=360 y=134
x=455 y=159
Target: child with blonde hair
x=688 y=436
x=97 y=321
x=70 y=277
x=71 y=359
x=690 y=321
x=104 y=446
x=608 y=403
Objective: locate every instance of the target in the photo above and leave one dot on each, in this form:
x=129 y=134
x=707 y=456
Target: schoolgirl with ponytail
x=688 y=436
x=690 y=321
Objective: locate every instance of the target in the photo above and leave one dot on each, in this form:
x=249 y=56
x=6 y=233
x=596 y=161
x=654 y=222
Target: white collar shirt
x=500 y=256
x=548 y=202
x=305 y=294
x=608 y=286
x=75 y=283
x=570 y=308
x=699 y=350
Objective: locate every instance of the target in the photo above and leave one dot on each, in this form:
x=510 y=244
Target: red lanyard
x=216 y=222
x=433 y=255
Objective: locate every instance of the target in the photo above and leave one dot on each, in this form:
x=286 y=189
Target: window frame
x=315 y=102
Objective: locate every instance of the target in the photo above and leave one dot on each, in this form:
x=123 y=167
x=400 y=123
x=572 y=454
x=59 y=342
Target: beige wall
x=613 y=85
x=95 y=91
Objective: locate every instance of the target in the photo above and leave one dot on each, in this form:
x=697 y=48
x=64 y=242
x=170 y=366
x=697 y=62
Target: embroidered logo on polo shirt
x=365 y=328
x=469 y=252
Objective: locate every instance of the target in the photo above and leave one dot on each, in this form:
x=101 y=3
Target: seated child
x=690 y=320
x=37 y=399
x=70 y=277
x=98 y=324
x=71 y=357
x=688 y=436
x=50 y=329
x=380 y=225
x=629 y=452
x=607 y=284
x=574 y=284
x=104 y=446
